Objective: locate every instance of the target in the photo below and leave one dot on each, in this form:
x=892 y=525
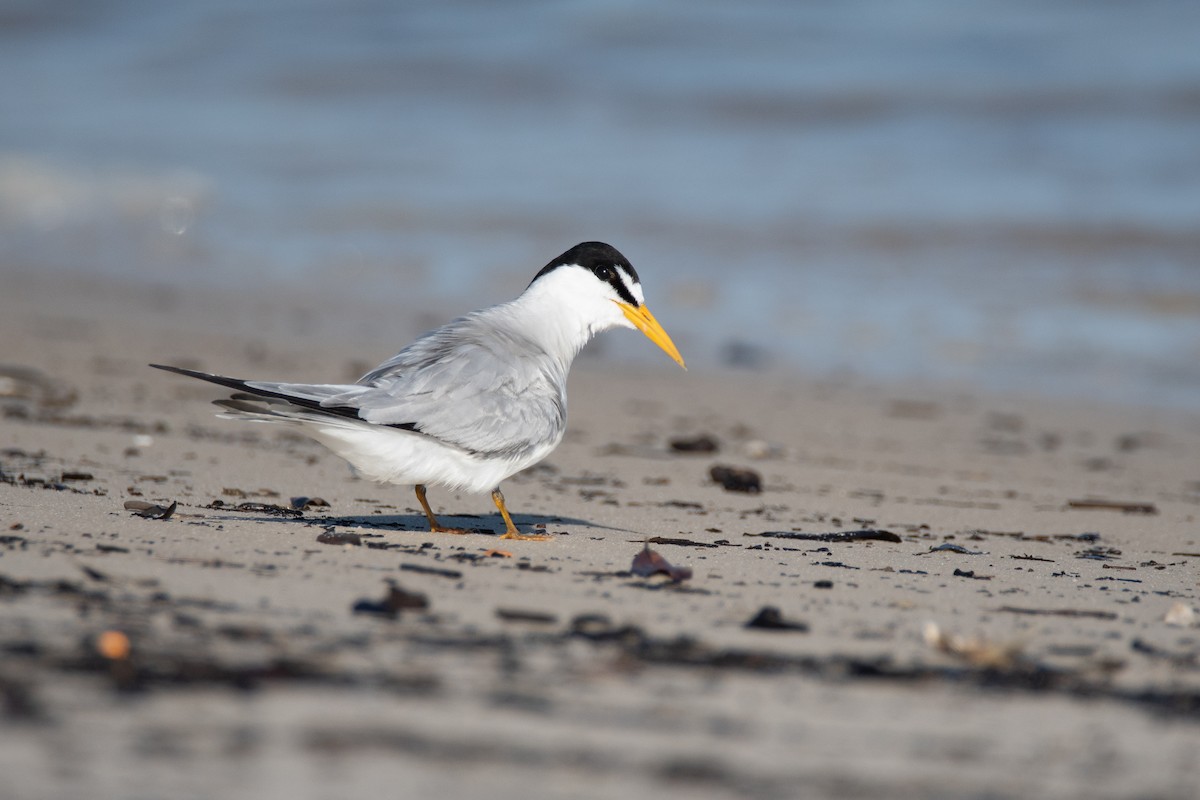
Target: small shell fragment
x=975 y=650
x=1181 y=615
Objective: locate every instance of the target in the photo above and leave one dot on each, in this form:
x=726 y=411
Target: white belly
x=392 y=455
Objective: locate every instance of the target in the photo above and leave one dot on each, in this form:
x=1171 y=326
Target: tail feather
x=256 y=397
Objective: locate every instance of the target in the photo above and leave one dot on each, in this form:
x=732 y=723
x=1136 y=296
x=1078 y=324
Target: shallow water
x=1006 y=195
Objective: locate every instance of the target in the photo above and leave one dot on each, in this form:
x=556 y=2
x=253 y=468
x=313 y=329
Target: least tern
x=473 y=402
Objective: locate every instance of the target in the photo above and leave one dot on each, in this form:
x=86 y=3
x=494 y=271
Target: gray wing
x=477 y=386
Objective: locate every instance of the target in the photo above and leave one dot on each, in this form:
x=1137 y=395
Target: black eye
x=604 y=273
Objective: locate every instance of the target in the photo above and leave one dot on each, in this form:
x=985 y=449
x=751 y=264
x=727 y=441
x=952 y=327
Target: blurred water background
x=998 y=194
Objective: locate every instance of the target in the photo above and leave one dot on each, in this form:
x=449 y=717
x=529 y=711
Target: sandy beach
x=922 y=591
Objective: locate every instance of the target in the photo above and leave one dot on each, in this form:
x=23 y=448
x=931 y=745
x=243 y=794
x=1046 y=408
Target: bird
x=467 y=405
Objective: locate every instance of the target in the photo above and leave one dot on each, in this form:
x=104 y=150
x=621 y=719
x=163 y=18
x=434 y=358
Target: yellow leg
x=511 y=531
x=434 y=527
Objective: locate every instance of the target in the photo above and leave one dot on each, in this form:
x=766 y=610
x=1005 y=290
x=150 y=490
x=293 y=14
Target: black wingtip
x=177 y=370
x=232 y=383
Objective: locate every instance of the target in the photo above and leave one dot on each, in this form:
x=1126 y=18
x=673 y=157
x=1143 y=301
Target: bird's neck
x=549 y=324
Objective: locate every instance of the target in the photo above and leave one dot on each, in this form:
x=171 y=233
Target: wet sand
x=1020 y=623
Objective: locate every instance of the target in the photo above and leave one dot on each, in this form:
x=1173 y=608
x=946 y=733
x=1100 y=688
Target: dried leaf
x=648 y=562
x=141 y=508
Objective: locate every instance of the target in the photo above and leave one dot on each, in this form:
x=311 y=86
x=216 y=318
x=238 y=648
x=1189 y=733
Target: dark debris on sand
x=844 y=536
x=702 y=444
x=394 y=601
x=770 y=618
x=736 y=479
x=151 y=662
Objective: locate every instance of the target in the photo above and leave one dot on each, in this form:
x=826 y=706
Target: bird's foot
x=510 y=530
x=455 y=531
x=526 y=537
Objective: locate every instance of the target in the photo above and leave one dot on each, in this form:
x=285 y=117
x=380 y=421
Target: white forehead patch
x=635 y=288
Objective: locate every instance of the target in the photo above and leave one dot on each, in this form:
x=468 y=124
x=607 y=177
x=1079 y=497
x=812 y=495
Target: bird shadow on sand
x=481 y=524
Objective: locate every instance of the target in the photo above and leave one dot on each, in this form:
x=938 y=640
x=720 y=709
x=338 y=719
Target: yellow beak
x=645 y=322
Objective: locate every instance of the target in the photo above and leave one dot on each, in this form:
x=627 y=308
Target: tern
x=471 y=403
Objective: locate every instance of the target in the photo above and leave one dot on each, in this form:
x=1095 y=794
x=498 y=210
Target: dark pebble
x=737 y=479
x=769 y=618
x=704 y=443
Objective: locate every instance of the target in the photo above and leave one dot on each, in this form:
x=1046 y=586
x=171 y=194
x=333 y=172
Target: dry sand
x=1034 y=659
